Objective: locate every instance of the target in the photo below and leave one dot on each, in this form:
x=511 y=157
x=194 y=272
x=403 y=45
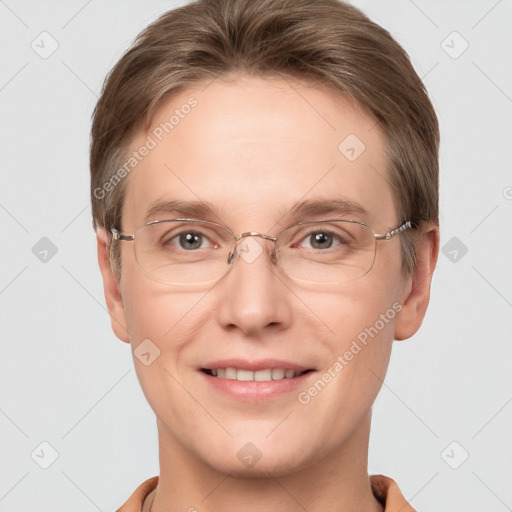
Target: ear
x=113 y=296
x=417 y=292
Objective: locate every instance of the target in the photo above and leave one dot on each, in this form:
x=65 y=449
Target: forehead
x=253 y=147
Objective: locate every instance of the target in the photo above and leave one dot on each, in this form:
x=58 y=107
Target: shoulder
x=388 y=493
x=136 y=500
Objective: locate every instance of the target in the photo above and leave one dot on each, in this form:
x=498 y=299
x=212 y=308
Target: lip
x=255 y=391
x=260 y=364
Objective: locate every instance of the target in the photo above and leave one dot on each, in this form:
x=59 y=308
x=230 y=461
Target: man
x=265 y=195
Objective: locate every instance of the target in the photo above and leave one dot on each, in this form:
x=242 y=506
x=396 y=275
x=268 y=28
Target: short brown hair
x=326 y=42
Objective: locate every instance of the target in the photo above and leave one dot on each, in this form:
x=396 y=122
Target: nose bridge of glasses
x=242 y=236
x=254 y=233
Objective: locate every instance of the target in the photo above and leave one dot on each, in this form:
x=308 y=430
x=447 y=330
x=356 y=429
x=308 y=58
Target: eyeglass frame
x=117 y=235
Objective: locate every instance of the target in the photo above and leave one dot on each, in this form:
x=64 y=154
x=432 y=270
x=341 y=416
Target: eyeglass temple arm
x=393 y=232
x=117 y=235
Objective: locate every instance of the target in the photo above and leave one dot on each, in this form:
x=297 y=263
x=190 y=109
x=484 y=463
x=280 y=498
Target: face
x=252 y=149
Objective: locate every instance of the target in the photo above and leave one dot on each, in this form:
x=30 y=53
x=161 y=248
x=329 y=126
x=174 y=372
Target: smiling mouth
x=265 y=375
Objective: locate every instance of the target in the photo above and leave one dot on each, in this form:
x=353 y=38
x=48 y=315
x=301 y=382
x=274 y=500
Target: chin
x=244 y=459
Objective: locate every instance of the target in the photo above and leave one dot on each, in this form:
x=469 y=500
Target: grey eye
x=321 y=240
x=190 y=241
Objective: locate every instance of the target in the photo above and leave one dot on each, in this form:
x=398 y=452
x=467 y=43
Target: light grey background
x=66 y=380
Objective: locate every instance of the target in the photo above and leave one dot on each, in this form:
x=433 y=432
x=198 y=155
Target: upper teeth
x=260 y=375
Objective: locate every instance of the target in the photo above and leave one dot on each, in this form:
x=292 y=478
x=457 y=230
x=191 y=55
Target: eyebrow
x=186 y=209
x=316 y=207
x=303 y=209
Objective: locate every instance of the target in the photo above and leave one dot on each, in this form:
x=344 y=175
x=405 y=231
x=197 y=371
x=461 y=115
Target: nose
x=253 y=296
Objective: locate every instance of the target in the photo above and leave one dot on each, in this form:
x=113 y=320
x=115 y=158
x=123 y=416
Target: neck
x=338 y=480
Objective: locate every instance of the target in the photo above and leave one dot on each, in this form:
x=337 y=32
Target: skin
x=252 y=147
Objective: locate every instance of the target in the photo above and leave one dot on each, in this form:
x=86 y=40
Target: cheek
x=363 y=326
x=154 y=310
x=356 y=306
x=164 y=323
x=361 y=331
